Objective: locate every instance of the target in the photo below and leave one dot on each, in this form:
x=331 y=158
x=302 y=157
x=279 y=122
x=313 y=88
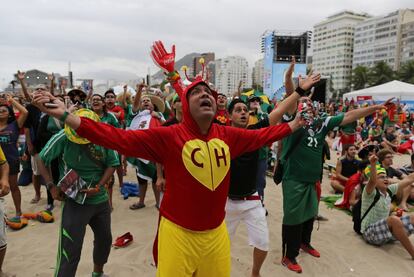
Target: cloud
x=103 y=36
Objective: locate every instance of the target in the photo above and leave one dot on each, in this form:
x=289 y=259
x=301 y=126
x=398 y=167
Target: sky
x=110 y=39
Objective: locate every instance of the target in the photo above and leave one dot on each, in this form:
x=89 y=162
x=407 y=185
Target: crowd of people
x=195 y=141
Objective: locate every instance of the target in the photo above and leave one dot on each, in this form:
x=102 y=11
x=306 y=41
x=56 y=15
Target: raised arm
x=21 y=76
x=166 y=61
x=373 y=176
x=51 y=78
x=146 y=144
x=239 y=90
x=407 y=181
x=20 y=108
x=289 y=85
x=290 y=102
x=123 y=98
x=245 y=140
x=354 y=115
x=137 y=100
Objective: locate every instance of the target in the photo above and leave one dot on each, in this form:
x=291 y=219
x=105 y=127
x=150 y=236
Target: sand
x=32 y=250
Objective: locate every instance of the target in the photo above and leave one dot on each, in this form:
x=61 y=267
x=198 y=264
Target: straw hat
x=156 y=101
x=71 y=134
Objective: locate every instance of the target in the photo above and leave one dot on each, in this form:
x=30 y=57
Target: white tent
x=397 y=89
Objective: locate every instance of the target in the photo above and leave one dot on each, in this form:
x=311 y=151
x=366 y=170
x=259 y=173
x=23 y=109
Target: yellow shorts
x=182 y=252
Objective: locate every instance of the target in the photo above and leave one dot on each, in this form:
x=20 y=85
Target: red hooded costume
x=196 y=166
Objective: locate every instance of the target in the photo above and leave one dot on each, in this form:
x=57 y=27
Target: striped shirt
x=381 y=209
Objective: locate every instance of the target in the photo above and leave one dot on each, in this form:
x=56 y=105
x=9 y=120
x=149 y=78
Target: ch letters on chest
x=208 y=162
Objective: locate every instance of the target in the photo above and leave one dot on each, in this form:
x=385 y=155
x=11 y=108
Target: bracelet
x=64 y=116
x=300 y=91
x=173 y=76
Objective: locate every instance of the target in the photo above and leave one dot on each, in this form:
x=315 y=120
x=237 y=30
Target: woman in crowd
x=9 y=134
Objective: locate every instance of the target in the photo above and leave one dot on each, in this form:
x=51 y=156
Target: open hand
x=20 y=75
x=291 y=67
x=310 y=80
x=161 y=58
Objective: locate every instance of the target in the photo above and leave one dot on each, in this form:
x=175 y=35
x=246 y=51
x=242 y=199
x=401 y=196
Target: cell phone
x=51 y=105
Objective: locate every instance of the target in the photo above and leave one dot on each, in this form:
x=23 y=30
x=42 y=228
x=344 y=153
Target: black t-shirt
x=349 y=167
x=390 y=137
x=244 y=169
x=392 y=172
x=32 y=122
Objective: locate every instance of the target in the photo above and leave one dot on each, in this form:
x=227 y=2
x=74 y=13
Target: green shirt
x=129 y=115
x=380 y=210
x=305 y=162
x=349 y=128
x=74 y=157
x=110 y=119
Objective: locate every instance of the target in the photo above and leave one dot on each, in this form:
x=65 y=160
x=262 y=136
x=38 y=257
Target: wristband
x=300 y=91
x=173 y=76
x=64 y=116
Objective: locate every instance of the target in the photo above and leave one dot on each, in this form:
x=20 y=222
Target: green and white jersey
x=350 y=128
x=380 y=210
x=74 y=157
x=304 y=162
x=110 y=119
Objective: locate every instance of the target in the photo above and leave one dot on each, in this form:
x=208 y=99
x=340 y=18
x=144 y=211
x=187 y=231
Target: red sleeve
x=178 y=86
x=122 y=113
x=245 y=140
x=147 y=144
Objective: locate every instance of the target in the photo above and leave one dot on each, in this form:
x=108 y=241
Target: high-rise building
x=257 y=74
x=333 y=41
x=386 y=38
x=229 y=72
x=407 y=42
x=197 y=68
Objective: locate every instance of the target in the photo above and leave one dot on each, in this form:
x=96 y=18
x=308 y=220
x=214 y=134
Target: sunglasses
x=3 y=110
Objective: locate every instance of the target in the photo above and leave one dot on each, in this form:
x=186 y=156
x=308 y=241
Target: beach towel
x=129 y=189
x=350 y=185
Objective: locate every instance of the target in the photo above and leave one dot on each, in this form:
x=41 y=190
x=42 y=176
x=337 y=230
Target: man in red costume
x=196 y=154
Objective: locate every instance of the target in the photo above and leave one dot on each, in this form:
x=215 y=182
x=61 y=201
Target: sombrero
x=71 y=134
x=77 y=91
x=364 y=152
x=156 y=101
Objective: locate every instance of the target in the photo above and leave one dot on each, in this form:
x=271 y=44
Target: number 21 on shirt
x=312 y=142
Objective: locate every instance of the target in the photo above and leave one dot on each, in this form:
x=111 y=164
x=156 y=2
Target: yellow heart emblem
x=208 y=162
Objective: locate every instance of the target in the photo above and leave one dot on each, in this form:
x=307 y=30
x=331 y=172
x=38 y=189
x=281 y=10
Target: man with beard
x=345 y=168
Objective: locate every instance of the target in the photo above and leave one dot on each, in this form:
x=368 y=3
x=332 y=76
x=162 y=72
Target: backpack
x=356 y=211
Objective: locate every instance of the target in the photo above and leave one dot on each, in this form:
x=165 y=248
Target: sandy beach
x=32 y=250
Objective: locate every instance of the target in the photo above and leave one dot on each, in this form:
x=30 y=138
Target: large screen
x=287 y=46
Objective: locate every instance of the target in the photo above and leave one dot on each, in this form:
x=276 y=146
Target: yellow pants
x=186 y=253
